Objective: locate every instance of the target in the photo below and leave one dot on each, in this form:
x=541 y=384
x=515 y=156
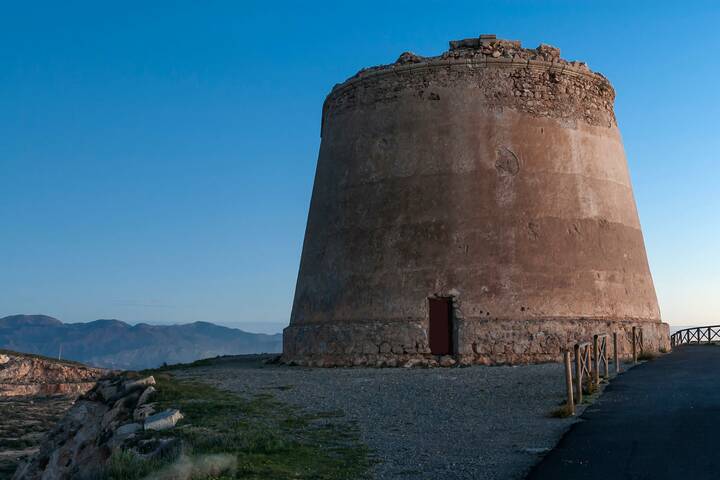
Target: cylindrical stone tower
x=476 y=204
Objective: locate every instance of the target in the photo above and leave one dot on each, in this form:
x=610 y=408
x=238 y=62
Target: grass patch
x=205 y=362
x=645 y=356
x=562 y=412
x=589 y=391
x=226 y=436
x=590 y=388
x=128 y=466
x=251 y=359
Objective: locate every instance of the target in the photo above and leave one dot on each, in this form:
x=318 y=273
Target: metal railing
x=589 y=358
x=695 y=335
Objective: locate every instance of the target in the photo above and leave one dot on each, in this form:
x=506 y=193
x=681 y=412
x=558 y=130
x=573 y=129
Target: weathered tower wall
x=492 y=175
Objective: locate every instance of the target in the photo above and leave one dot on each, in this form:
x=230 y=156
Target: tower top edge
x=485 y=50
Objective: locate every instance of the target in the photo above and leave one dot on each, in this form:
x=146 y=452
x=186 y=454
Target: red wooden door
x=440 y=326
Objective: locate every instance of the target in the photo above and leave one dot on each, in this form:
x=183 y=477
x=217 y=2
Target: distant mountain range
x=118 y=345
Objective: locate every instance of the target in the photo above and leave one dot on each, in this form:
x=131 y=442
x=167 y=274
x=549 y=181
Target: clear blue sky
x=156 y=158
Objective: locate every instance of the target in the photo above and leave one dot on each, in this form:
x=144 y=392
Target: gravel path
x=452 y=423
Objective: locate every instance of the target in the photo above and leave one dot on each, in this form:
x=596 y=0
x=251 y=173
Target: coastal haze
x=118 y=345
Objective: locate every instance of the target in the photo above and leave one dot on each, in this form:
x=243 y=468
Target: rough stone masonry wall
x=537 y=82
x=492 y=174
x=479 y=341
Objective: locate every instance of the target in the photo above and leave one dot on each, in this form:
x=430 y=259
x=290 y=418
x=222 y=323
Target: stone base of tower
x=476 y=341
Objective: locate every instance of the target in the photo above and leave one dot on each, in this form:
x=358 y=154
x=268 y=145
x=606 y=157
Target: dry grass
x=647 y=356
x=562 y=412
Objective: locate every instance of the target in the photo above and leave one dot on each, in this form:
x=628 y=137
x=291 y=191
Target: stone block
x=163 y=420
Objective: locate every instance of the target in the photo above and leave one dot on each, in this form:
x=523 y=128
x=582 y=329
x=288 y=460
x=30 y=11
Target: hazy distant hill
x=115 y=344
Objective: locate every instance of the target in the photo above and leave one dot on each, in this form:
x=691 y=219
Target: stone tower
x=476 y=204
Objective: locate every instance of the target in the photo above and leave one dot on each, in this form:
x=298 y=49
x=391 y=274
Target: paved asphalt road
x=660 y=420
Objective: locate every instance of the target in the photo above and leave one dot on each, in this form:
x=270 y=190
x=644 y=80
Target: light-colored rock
x=143 y=411
x=110 y=417
x=447 y=361
x=123 y=434
x=101 y=422
x=128 y=401
x=145 y=397
x=71 y=446
x=413 y=362
x=163 y=420
x=138 y=384
x=107 y=391
x=127 y=429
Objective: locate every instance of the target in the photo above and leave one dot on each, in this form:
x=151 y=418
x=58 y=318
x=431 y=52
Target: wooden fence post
x=615 y=352
x=568 y=382
x=596 y=362
x=634 y=344
x=605 y=357
x=578 y=374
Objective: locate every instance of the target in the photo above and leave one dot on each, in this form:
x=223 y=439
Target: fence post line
x=605 y=356
x=578 y=374
x=634 y=345
x=568 y=382
x=596 y=361
x=615 y=353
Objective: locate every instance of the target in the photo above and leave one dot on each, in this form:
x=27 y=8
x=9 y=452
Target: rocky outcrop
x=23 y=423
x=35 y=392
x=31 y=375
x=117 y=414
